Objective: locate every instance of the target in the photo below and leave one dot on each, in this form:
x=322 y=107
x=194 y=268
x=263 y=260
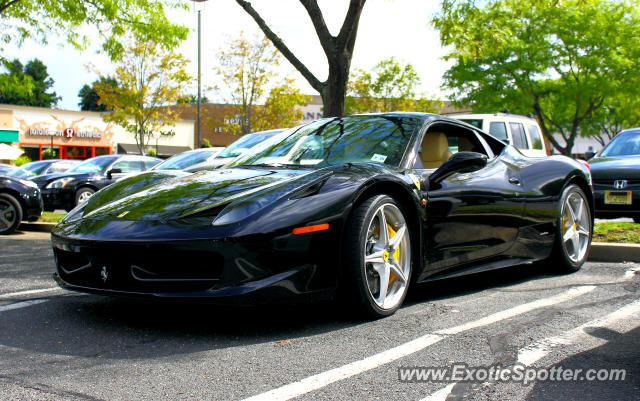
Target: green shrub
x=24 y=159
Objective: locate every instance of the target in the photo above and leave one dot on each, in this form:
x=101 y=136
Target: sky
x=398 y=28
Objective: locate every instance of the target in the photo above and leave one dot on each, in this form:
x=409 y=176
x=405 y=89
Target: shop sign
x=67 y=133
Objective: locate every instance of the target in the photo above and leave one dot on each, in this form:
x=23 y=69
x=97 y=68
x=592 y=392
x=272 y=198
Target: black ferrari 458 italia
x=355 y=207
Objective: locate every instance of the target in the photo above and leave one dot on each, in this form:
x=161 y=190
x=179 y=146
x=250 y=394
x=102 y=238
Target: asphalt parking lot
x=59 y=345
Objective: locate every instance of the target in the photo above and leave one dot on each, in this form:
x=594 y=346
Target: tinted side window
x=149 y=163
x=519 y=138
x=128 y=166
x=474 y=122
x=536 y=138
x=499 y=130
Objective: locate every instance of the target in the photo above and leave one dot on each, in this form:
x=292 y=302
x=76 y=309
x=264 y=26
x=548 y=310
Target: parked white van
x=520 y=131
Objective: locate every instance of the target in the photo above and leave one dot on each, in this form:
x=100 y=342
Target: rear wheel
x=378 y=257
x=10 y=214
x=574 y=232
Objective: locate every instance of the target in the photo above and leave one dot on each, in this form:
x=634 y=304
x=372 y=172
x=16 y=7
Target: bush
x=24 y=159
x=48 y=154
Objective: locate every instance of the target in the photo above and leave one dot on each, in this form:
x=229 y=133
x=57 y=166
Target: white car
x=520 y=131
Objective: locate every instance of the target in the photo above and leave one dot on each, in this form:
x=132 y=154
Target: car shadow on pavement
x=622 y=351
x=121 y=328
x=474 y=283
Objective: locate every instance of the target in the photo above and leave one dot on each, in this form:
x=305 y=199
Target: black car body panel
x=618 y=175
x=229 y=234
x=28 y=196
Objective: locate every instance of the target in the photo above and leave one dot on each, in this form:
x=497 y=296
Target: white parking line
x=29 y=292
x=323 y=379
x=539 y=349
x=24 y=304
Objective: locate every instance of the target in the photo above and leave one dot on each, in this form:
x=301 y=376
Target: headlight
x=59 y=183
x=29 y=183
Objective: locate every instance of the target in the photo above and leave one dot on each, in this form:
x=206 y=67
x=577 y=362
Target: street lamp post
x=199 y=127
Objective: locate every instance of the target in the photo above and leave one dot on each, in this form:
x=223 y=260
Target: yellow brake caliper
x=396 y=254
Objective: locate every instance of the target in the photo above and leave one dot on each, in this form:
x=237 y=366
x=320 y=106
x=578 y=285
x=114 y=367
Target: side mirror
x=461 y=162
x=589 y=154
x=113 y=171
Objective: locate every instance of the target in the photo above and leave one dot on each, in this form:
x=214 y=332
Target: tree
x=40 y=19
x=338 y=50
x=149 y=78
x=28 y=85
x=191 y=99
x=89 y=99
x=246 y=68
x=621 y=111
x=281 y=109
x=561 y=61
x=391 y=87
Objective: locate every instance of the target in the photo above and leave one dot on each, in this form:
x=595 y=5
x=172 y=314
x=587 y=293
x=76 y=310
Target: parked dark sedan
x=356 y=207
x=616 y=177
x=19 y=201
x=68 y=189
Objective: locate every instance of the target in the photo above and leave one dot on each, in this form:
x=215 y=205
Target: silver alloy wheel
x=84 y=195
x=8 y=214
x=387 y=256
x=576 y=226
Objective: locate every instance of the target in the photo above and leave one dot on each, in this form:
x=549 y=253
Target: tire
x=573 y=235
x=83 y=194
x=370 y=257
x=10 y=214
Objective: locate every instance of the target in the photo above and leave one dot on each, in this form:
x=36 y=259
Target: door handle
x=514 y=180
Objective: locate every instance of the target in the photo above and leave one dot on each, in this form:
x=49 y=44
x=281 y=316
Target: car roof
x=487 y=115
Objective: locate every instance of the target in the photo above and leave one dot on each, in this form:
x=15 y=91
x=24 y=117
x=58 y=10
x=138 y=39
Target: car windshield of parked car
x=372 y=139
x=30 y=169
x=95 y=165
x=623 y=145
x=183 y=160
x=245 y=143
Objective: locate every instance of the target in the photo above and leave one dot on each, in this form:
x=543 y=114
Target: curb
x=609 y=252
x=37 y=226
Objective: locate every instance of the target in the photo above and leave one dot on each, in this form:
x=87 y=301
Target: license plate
x=617 y=198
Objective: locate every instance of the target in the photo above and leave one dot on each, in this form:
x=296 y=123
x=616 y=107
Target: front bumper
x=32 y=202
x=258 y=268
x=58 y=198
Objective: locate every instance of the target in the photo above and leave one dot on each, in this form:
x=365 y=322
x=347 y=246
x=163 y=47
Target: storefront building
x=46 y=133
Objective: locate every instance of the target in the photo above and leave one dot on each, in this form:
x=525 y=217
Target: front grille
x=145 y=269
x=609 y=183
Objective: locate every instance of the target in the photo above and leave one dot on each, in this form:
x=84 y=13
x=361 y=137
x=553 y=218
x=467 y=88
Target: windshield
x=372 y=139
x=30 y=169
x=246 y=142
x=95 y=165
x=626 y=144
x=183 y=160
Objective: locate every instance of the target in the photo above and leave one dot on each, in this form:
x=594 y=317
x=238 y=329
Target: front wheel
x=377 y=257
x=83 y=194
x=574 y=232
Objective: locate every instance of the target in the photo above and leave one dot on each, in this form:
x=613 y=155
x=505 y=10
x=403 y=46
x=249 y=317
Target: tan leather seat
x=435 y=150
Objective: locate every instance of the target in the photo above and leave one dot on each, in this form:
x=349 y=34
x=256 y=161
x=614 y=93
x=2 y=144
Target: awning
x=9 y=135
x=163 y=150
x=9 y=152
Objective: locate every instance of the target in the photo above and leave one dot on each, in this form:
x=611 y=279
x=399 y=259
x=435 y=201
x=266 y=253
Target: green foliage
x=207 y=143
x=40 y=19
x=151 y=151
x=389 y=87
x=89 y=99
x=562 y=61
x=246 y=67
x=150 y=77
x=616 y=232
x=24 y=159
x=52 y=217
x=27 y=85
x=281 y=109
x=191 y=99
x=48 y=153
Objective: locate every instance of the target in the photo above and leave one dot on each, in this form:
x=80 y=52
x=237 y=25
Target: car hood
x=170 y=195
x=611 y=168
